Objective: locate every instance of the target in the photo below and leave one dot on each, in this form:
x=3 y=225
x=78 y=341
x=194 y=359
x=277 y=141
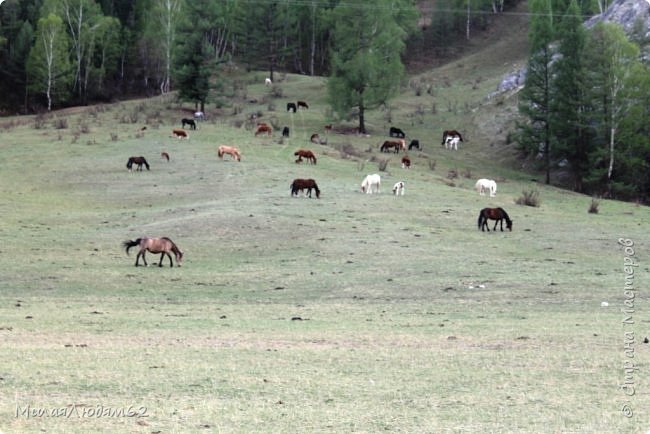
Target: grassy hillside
x=347 y=313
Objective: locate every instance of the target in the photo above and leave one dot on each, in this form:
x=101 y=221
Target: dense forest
x=583 y=108
x=66 y=52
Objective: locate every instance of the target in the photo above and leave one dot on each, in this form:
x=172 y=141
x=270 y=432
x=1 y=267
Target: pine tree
x=535 y=99
x=568 y=100
x=368 y=39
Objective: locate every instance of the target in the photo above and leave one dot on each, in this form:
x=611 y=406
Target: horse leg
x=171 y=263
x=162 y=256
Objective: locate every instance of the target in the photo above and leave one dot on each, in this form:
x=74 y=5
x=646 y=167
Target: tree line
x=586 y=102
x=57 y=53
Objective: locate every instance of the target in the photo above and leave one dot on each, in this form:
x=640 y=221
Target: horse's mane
x=505 y=214
x=175 y=248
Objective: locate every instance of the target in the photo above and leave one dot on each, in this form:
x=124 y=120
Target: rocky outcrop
x=632 y=15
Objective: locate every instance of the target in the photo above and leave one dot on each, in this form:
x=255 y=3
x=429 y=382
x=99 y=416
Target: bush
x=529 y=198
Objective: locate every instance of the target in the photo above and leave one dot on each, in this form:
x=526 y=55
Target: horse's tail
x=144 y=160
x=128 y=244
x=480 y=219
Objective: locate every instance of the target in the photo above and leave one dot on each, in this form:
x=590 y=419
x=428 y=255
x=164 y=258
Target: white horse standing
x=267 y=81
x=199 y=116
x=398 y=188
x=483 y=185
x=371 y=184
x=452 y=142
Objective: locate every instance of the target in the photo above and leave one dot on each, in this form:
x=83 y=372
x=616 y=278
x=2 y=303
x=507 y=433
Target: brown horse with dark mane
x=304 y=184
x=396 y=145
x=448 y=134
x=138 y=161
x=498 y=214
x=305 y=153
x=155 y=245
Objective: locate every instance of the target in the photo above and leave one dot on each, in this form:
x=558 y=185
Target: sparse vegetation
x=529 y=198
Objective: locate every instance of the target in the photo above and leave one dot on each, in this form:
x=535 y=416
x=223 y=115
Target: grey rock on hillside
x=632 y=15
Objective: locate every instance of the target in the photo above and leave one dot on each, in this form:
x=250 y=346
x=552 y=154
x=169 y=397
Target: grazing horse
x=285 y=132
x=263 y=128
x=450 y=133
x=304 y=184
x=406 y=162
x=164 y=155
x=291 y=107
x=199 y=116
x=398 y=188
x=371 y=184
x=139 y=161
x=189 y=122
x=305 y=153
x=483 y=185
x=396 y=132
x=497 y=214
x=230 y=150
x=414 y=144
x=179 y=133
x=388 y=145
x=302 y=104
x=452 y=142
x=155 y=245
x=267 y=81
x=328 y=128
x=315 y=138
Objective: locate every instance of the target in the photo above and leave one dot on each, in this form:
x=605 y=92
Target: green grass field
x=350 y=313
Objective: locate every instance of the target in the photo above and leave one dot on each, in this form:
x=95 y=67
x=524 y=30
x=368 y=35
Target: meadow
x=348 y=313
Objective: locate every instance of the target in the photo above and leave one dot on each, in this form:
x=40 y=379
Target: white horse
x=371 y=184
x=398 y=188
x=483 y=185
x=452 y=142
x=267 y=81
x=199 y=116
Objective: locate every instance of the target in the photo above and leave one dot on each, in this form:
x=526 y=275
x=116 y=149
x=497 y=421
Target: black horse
x=498 y=214
x=291 y=107
x=189 y=122
x=139 y=161
x=396 y=132
x=414 y=144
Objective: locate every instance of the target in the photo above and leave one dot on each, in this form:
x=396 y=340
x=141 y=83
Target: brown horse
x=230 y=150
x=155 y=245
x=304 y=184
x=386 y=147
x=305 y=153
x=497 y=214
x=180 y=133
x=406 y=162
x=263 y=128
x=139 y=161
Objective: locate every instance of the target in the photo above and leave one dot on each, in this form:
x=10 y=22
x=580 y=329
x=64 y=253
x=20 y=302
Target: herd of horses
x=370 y=185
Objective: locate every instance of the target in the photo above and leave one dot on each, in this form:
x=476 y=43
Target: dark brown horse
x=304 y=184
x=155 y=245
x=396 y=146
x=263 y=128
x=497 y=214
x=305 y=153
x=139 y=161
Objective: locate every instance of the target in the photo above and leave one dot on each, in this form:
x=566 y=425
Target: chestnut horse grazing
x=304 y=184
x=305 y=153
x=155 y=245
x=396 y=146
x=497 y=214
x=139 y=161
x=263 y=128
x=180 y=133
x=230 y=150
